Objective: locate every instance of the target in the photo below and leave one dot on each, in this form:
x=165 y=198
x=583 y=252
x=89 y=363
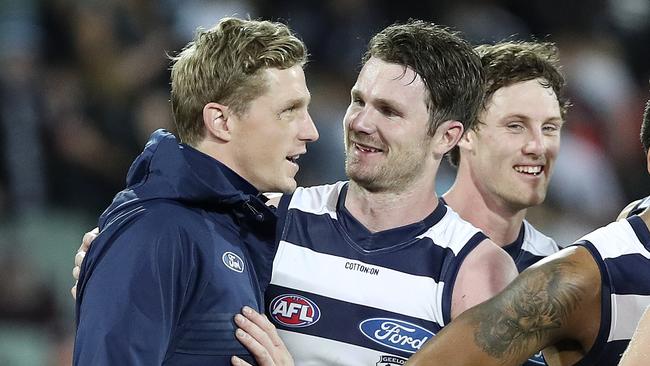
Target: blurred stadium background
x=84 y=82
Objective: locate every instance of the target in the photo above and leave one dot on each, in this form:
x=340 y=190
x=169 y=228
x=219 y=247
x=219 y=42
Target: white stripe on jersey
x=451 y=232
x=317 y=201
x=624 y=308
x=615 y=240
x=324 y=274
x=537 y=243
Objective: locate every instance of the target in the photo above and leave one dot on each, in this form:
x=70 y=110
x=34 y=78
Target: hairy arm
x=547 y=303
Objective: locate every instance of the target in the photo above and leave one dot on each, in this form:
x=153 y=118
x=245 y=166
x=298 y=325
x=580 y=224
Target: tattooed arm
x=556 y=302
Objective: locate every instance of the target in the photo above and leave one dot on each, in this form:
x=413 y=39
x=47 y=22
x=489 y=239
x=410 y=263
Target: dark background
x=83 y=83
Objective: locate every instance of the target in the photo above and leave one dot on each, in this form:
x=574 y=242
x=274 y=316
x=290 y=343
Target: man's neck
x=379 y=211
x=499 y=222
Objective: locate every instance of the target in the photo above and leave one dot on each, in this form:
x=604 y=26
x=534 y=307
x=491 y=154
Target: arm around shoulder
x=547 y=303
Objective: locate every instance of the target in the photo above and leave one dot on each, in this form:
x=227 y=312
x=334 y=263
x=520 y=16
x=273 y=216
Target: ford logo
x=294 y=311
x=233 y=261
x=395 y=334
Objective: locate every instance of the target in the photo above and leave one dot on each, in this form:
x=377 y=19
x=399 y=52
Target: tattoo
x=516 y=322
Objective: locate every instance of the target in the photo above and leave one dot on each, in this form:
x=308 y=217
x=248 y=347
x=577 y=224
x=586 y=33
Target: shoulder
x=612 y=240
x=486 y=270
x=455 y=233
x=317 y=199
x=156 y=225
x=628 y=209
x=491 y=260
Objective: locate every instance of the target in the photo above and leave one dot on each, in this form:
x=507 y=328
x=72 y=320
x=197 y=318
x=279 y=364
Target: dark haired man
x=581 y=304
x=368 y=270
x=506 y=159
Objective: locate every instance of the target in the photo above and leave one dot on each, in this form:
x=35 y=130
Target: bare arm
x=486 y=271
x=547 y=303
x=638 y=352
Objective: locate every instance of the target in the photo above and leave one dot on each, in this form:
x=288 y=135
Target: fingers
x=78 y=260
x=87 y=240
x=236 y=361
x=261 y=339
x=255 y=340
x=79 y=257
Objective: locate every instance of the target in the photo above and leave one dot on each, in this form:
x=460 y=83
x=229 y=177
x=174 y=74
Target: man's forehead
x=378 y=75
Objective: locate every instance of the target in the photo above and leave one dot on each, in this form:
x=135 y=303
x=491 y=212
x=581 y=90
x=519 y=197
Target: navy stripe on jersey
x=623 y=259
x=451 y=275
x=423 y=259
x=641 y=230
x=594 y=354
x=529 y=247
x=640 y=206
x=333 y=312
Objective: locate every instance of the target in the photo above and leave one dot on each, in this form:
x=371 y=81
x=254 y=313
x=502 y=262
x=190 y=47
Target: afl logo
x=294 y=311
x=233 y=261
x=395 y=334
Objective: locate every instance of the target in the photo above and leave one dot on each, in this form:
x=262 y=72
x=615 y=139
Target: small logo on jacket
x=537 y=359
x=233 y=261
x=294 y=311
x=395 y=334
x=385 y=360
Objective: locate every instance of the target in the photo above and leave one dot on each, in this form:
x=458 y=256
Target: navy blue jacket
x=180 y=252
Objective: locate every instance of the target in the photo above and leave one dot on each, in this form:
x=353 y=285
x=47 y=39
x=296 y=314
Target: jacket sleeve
x=134 y=287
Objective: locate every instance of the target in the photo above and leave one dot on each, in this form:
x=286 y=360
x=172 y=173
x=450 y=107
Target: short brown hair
x=508 y=63
x=224 y=64
x=448 y=66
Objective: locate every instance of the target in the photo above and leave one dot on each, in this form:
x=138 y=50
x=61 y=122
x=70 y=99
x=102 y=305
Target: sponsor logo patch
x=537 y=359
x=395 y=334
x=385 y=360
x=233 y=261
x=294 y=311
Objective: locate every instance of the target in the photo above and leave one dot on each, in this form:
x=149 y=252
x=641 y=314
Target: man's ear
x=216 y=121
x=446 y=137
x=467 y=140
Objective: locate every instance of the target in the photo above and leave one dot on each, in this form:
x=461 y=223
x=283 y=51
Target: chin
x=288 y=186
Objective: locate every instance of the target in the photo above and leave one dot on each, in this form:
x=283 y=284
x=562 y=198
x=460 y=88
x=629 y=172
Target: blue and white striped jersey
x=530 y=246
x=640 y=206
x=341 y=295
x=621 y=250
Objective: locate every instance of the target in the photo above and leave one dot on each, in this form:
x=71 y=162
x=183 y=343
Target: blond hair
x=225 y=64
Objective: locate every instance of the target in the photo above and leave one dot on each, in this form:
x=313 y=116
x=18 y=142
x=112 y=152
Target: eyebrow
x=299 y=102
x=525 y=117
x=381 y=101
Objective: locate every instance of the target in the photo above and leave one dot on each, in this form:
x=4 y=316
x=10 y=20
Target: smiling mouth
x=293 y=159
x=366 y=149
x=534 y=170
